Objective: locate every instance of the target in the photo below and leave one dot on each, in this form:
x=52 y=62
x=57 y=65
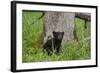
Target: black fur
x=54 y=44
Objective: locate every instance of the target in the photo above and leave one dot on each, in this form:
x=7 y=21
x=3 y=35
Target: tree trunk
x=59 y=22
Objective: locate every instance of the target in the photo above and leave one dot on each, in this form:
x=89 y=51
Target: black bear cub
x=53 y=44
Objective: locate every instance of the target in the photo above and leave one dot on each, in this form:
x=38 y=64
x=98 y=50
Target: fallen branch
x=85 y=16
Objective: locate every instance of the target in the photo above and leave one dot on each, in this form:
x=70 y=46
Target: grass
x=32 y=41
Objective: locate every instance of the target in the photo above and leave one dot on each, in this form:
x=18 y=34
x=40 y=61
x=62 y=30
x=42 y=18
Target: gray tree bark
x=59 y=22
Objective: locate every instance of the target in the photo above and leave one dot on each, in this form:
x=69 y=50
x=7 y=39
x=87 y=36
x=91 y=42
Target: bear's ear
x=53 y=32
x=63 y=33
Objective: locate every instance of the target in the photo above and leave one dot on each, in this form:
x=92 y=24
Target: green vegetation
x=32 y=41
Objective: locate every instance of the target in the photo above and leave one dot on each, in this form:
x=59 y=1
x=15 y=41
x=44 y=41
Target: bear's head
x=58 y=35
